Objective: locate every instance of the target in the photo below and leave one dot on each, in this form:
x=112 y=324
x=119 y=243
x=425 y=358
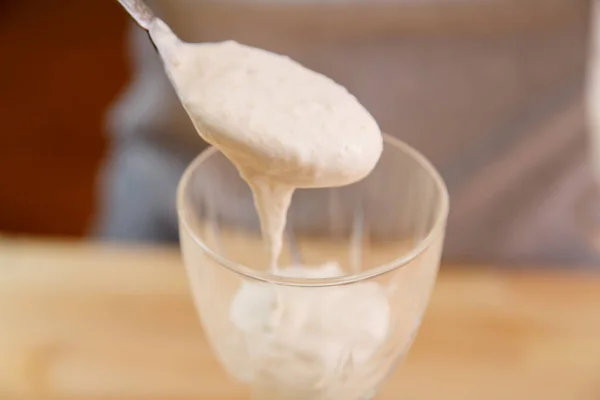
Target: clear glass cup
x=334 y=337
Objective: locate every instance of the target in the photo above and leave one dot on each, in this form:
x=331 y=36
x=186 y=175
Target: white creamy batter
x=297 y=317
x=285 y=127
x=282 y=125
x=311 y=335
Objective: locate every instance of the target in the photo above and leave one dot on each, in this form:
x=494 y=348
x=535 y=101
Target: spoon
x=139 y=11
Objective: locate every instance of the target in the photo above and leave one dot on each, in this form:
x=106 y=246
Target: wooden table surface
x=87 y=321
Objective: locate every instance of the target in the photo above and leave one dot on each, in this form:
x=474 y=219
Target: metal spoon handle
x=139 y=11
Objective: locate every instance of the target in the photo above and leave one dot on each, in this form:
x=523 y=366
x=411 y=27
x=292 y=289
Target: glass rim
x=437 y=229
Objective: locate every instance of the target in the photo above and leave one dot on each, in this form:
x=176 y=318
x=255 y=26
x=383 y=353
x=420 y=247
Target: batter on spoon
x=281 y=124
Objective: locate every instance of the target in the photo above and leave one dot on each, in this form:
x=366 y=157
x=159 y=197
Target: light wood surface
x=86 y=321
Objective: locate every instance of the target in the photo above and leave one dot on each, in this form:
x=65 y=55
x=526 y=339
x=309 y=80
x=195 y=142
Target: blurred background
x=63 y=62
x=492 y=91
